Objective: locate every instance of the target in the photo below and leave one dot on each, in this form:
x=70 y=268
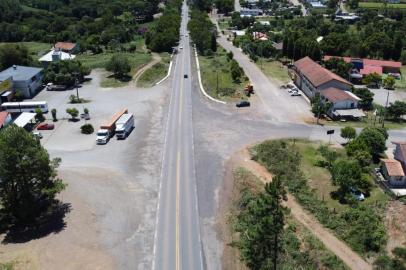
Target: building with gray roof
x=28 y=80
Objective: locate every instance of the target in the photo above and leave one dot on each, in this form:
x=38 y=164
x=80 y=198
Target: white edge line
x=161 y=179
x=169 y=71
x=200 y=81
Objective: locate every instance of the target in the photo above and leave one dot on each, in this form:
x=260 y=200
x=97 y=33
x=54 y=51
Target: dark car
x=185 y=76
x=243 y=103
x=45 y=126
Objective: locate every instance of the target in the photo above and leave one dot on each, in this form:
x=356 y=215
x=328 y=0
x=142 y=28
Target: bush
x=39 y=115
x=53 y=112
x=73 y=112
x=87 y=129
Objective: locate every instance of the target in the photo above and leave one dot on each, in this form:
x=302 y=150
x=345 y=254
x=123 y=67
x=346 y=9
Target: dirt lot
x=395 y=222
x=111 y=190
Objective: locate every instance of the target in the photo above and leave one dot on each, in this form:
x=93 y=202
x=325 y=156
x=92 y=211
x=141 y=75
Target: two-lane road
x=177 y=236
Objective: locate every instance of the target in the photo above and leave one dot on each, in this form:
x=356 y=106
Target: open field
x=401 y=84
x=377 y=5
x=36 y=49
x=274 y=70
x=156 y=72
x=216 y=70
x=100 y=60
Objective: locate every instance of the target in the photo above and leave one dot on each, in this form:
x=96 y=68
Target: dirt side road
x=339 y=248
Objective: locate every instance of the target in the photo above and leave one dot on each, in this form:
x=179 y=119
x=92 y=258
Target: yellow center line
x=178 y=167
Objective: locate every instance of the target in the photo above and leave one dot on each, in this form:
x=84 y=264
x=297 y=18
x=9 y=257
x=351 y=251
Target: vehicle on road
x=25 y=106
x=124 y=125
x=295 y=94
x=45 y=126
x=293 y=90
x=181 y=47
x=107 y=130
x=243 y=103
x=185 y=76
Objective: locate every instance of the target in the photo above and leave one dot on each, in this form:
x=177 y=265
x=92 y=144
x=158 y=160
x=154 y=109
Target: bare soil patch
x=395 y=222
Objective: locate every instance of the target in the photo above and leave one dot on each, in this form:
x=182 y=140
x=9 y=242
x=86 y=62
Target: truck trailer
x=124 y=125
x=107 y=129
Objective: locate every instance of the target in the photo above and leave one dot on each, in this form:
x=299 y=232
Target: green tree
x=12 y=54
x=29 y=180
x=374 y=139
x=348 y=133
x=389 y=82
x=39 y=116
x=397 y=109
x=73 y=112
x=319 y=106
x=366 y=96
x=261 y=225
x=235 y=70
x=372 y=78
x=347 y=175
x=87 y=129
x=230 y=55
x=328 y=154
x=119 y=65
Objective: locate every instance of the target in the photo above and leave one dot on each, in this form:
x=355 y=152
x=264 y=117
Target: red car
x=45 y=126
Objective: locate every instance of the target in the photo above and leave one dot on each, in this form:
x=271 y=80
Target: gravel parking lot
x=112 y=188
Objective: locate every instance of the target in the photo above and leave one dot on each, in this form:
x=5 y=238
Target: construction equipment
x=249 y=89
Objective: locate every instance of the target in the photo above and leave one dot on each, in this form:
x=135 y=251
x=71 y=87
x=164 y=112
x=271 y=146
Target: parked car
x=243 y=103
x=293 y=90
x=37 y=134
x=54 y=87
x=45 y=126
x=357 y=194
x=295 y=94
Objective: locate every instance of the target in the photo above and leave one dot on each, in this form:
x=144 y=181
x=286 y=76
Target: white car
x=181 y=47
x=358 y=195
x=293 y=90
x=295 y=94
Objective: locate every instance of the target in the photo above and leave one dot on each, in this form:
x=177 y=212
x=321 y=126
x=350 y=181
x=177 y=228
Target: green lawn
x=36 y=49
x=224 y=23
x=401 y=84
x=274 y=70
x=215 y=69
x=378 y=5
x=157 y=72
x=319 y=178
x=100 y=60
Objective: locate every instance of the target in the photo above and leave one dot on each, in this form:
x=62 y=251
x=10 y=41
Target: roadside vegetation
x=157 y=72
x=221 y=75
x=325 y=181
x=275 y=70
x=297 y=248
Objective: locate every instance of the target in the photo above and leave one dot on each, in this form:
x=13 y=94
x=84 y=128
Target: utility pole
x=384 y=113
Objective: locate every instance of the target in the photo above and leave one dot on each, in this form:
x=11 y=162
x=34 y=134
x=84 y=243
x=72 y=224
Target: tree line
x=203 y=32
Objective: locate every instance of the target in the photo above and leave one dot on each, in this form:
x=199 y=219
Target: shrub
x=73 y=112
x=87 y=129
x=39 y=115
x=53 y=112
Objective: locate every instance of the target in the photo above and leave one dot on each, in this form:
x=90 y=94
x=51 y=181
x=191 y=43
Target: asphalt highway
x=177 y=242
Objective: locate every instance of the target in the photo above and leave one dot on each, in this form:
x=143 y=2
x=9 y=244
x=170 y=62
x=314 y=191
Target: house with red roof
x=312 y=78
x=5 y=119
x=66 y=47
x=394 y=169
x=367 y=66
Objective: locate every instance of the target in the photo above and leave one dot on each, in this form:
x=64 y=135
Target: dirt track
x=339 y=248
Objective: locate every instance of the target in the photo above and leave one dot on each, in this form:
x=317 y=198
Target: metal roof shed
x=24 y=119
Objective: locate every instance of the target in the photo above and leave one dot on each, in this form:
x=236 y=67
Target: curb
x=169 y=71
x=200 y=81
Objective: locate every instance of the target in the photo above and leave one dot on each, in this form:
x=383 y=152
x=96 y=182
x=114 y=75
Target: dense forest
x=92 y=23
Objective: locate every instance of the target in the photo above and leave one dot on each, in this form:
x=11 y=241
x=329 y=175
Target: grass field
x=157 y=72
x=377 y=5
x=36 y=49
x=100 y=60
x=217 y=68
x=319 y=178
x=274 y=70
x=401 y=84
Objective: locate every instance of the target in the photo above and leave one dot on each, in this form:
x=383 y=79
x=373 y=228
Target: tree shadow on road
x=52 y=221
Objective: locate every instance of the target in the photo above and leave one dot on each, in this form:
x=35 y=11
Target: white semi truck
x=124 y=125
x=107 y=129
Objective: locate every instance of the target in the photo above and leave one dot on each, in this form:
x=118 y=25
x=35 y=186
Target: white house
x=55 y=56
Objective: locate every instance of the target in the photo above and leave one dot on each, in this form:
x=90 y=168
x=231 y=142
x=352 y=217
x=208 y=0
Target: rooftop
x=335 y=95
x=367 y=62
x=63 y=56
x=402 y=147
x=315 y=73
x=66 y=46
x=371 y=69
x=3 y=118
x=393 y=167
x=24 y=119
x=19 y=73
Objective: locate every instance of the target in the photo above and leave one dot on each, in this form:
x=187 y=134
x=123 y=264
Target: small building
x=25 y=120
x=277 y=46
x=238 y=33
x=55 y=56
x=5 y=119
x=259 y=36
x=317 y=4
x=393 y=172
x=312 y=78
x=67 y=47
x=25 y=79
x=247 y=12
x=367 y=66
x=344 y=104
